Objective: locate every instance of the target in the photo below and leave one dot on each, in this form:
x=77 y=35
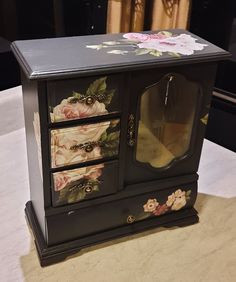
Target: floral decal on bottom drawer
x=175 y=202
x=74 y=185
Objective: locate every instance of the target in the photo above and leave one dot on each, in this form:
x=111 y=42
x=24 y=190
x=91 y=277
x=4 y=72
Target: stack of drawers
x=85 y=118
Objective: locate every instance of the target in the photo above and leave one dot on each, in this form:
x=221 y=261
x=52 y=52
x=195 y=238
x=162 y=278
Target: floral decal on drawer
x=75 y=185
x=175 y=202
x=82 y=105
x=152 y=44
x=84 y=143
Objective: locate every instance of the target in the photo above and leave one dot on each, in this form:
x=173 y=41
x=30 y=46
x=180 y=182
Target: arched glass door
x=167 y=111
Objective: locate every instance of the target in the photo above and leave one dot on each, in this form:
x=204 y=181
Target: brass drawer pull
x=131 y=131
x=87 y=147
x=88 y=100
x=85 y=185
x=88 y=189
x=130 y=219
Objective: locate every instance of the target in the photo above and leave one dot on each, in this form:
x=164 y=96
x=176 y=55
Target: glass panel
x=167 y=113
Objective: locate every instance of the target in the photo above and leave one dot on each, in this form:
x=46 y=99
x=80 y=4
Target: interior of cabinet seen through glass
x=167 y=110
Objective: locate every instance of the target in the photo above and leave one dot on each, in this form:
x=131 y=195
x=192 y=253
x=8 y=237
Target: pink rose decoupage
x=155 y=44
x=63 y=140
x=67 y=110
x=93 y=102
x=71 y=185
x=62 y=179
x=176 y=201
x=70 y=145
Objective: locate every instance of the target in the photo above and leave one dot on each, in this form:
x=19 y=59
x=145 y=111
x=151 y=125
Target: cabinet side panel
x=31 y=113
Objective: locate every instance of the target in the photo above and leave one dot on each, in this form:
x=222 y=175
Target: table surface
x=204 y=252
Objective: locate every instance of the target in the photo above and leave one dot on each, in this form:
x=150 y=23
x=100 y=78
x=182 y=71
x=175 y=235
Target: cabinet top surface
x=68 y=56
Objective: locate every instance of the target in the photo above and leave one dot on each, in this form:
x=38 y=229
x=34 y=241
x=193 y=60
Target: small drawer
x=75 y=185
x=84 y=97
x=150 y=206
x=78 y=144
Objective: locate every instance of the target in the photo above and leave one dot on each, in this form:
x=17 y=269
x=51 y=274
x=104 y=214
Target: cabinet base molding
x=53 y=254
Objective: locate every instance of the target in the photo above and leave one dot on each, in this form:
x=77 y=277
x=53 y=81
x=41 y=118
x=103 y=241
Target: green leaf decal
x=118 y=52
x=97 y=87
x=166 y=33
x=142 y=51
x=204 y=120
x=155 y=53
x=188 y=193
x=77 y=95
x=114 y=136
x=96 y=188
x=108 y=97
x=174 y=54
x=103 y=136
x=110 y=145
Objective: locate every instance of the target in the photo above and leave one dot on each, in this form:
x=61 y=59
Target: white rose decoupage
x=176 y=201
x=155 y=44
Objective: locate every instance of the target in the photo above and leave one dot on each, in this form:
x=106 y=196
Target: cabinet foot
x=183 y=222
x=47 y=255
x=53 y=254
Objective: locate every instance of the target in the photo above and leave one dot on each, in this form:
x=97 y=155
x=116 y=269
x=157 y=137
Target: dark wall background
x=27 y=19
x=215 y=21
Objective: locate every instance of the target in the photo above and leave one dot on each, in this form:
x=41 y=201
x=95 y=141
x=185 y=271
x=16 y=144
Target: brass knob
x=130 y=131
x=88 y=148
x=131 y=142
x=88 y=189
x=130 y=219
x=89 y=100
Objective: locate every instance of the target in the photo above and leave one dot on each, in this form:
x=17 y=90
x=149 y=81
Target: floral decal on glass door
x=82 y=105
x=152 y=44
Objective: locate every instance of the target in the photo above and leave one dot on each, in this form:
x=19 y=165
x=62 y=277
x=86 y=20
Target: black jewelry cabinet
x=114 y=128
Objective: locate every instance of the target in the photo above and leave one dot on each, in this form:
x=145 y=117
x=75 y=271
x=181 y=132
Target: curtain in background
x=135 y=15
x=170 y=14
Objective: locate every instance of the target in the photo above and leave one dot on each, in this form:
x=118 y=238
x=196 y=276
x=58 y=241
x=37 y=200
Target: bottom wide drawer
x=86 y=221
